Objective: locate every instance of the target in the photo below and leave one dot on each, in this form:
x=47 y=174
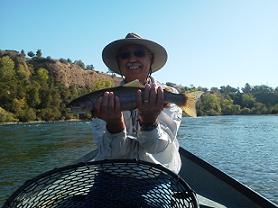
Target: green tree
x=228 y=90
x=79 y=63
x=7 y=71
x=247 y=88
x=56 y=98
x=45 y=97
x=6 y=116
x=42 y=74
x=90 y=67
x=49 y=114
x=27 y=114
x=39 y=53
x=248 y=100
x=62 y=60
x=22 y=53
x=236 y=109
x=210 y=104
x=265 y=95
x=228 y=108
x=8 y=82
x=214 y=90
x=274 y=109
x=22 y=72
x=18 y=105
x=31 y=54
x=259 y=108
x=33 y=95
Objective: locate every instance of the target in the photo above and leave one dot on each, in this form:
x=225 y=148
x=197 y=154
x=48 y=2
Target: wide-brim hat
x=110 y=52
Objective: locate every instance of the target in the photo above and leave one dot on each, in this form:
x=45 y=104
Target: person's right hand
x=150 y=103
x=108 y=109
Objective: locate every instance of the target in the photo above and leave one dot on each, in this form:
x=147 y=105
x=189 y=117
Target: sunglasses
x=140 y=53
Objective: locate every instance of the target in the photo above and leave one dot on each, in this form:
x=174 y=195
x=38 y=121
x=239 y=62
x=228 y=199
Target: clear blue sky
x=210 y=43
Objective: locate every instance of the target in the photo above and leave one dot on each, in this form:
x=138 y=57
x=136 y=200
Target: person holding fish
x=140 y=119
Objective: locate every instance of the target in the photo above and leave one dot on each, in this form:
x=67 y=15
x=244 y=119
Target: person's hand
x=108 y=109
x=150 y=104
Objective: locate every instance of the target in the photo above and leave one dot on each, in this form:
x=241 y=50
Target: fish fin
x=170 y=89
x=134 y=83
x=190 y=106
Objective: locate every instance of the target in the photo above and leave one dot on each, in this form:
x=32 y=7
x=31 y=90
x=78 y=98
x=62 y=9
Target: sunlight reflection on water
x=244 y=147
x=27 y=150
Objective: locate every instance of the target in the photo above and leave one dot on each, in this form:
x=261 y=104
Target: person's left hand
x=150 y=103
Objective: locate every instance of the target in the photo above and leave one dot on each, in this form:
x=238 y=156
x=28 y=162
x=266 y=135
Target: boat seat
x=207 y=203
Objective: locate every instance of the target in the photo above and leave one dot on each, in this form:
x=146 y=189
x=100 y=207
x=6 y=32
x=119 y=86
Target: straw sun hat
x=110 y=52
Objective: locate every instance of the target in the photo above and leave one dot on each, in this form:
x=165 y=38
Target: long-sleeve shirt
x=159 y=145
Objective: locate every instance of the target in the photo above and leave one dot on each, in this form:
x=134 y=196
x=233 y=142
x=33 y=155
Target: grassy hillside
x=38 y=88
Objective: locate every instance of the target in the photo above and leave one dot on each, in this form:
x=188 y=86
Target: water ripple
x=244 y=147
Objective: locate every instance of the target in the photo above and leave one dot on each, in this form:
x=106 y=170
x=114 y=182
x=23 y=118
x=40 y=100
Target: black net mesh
x=108 y=183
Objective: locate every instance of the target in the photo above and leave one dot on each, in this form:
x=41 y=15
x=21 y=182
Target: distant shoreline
x=76 y=120
x=40 y=122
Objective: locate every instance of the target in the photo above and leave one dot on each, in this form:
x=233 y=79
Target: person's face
x=135 y=62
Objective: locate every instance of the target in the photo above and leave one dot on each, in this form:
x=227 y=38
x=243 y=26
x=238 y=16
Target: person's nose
x=132 y=58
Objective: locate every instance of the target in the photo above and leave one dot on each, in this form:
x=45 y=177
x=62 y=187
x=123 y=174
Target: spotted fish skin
x=128 y=97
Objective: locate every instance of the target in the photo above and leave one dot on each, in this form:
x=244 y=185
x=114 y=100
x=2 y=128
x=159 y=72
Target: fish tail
x=189 y=107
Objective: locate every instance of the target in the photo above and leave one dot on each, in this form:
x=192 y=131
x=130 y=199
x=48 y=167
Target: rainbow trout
x=128 y=94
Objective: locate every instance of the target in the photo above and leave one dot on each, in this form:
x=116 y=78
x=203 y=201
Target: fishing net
x=108 y=183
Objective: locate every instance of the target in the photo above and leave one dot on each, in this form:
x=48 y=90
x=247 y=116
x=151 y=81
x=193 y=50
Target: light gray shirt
x=159 y=145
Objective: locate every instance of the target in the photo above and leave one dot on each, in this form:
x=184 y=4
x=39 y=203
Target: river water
x=244 y=147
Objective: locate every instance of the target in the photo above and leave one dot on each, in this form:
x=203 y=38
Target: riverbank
x=75 y=120
x=40 y=122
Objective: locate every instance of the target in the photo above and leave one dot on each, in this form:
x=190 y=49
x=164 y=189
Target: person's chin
x=135 y=72
x=134 y=77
